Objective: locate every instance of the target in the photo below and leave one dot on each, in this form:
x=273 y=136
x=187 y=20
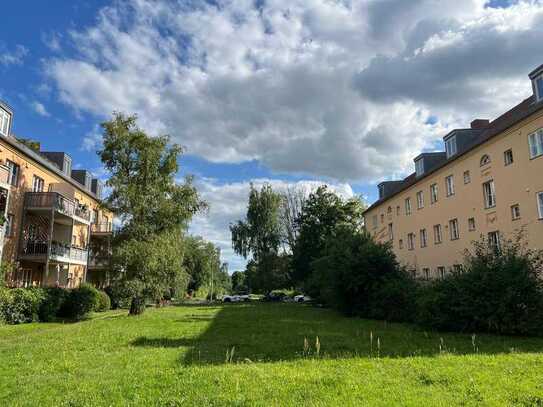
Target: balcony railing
x=38 y=249
x=99 y=259
x=102 y=227
x=58 y=202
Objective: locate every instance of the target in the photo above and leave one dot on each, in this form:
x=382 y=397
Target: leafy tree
x=271 y=272
x=239 y=283
x=292 y=201
x=321 y=213
x=153 y=208
x=260 y=233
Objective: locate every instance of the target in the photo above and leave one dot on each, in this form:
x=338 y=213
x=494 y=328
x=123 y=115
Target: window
x=426 y=273
x=485 y=160
x=10 y=226
x=433 y=193
x=37 y=184
x=67 y=165
x=401 y=243
x=471 y=224
x=489 y=192
x=441 y=272
x=374 y=221
x=538 y=82
x=508 y=157
x=419 y=167
x=382 y=218
x=458 y=268
x=438 y=236
x=389 y=211
x=540 y=204
x=423 y=238
x=453 y=226
x=420 y=200
x=535 y=140
x=411 y=241
x=450 y=146
x=494 y=240
x=449 y=183
x=515 y=212
x=14 y=171
x=414 y=273
x=4 y=122
x=398 y=210
x=467 y=177
x=390 y=232
x=408 y=206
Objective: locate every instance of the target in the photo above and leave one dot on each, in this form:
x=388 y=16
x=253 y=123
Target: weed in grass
x=230 y=354
x=317 y=346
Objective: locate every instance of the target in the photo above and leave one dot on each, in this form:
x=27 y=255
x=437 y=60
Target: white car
x=235 y=298
x=301 y=298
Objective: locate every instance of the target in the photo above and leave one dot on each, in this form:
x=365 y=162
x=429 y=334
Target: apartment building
x=54 y=230
x=488 y=182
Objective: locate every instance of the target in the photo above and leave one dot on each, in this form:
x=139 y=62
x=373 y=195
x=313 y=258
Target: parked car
x=274 y=296
x=302 y=298
x=231 y=298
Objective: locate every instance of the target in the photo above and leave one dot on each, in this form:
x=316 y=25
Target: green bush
x=52 y=303
x=104 y=303
x=118 y=296
x=20 y=305
x=501 y=291
x=361 y=277
x=80 y=302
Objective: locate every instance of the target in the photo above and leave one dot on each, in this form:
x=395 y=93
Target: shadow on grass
x=272 y=332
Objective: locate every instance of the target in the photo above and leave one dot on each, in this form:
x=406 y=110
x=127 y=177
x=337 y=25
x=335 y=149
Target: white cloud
x=92 y=141
x=14 y=57
x=228 y=203
x=39 y=108
x=340 y=89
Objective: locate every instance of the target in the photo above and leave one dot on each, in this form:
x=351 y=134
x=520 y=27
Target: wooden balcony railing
x=58 y=202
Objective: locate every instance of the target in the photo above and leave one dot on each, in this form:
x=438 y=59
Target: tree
x=153 y=208
x=260 y=233
x=321 y=213
x=292 y=201
x=239 y=283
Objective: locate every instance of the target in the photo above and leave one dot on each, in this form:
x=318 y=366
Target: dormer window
x=538 y=86
x=381 y=191
x=5 y=118
x=450 y=146
x=419 y=167
x=67 y=165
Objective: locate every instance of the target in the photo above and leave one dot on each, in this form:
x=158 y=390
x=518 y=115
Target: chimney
x=479 y=124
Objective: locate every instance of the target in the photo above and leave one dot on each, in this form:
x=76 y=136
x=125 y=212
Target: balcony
x=60 y=252
x=102 y=228
x=99 y=260
x=36 y=201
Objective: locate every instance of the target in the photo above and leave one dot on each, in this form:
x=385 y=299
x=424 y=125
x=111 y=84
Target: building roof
x=496 y=127
x=12 y=141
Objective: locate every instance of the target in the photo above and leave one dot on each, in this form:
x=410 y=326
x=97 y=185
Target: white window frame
x=454 y=230
x=450 y=146
x=38 y=184
x=471 y=221
x=508 y=158
x=467 y=177
x=539 y=197
x=408 y=206
x=419 y=167
x=410 y=241
x=441 y=272
x=10 y=217
x=433 y=193
x=494 y=239
x=5 y=119
x=400 y=244
x=375 y=220
x=438 y=234
x=420 y=200
x=390 y=232
x=14 y=173
x=423 y=238
x=426 y=273
x=535 y=143
x=515 y=212
x=489 y=194
x=538 y=92
x=449 y=184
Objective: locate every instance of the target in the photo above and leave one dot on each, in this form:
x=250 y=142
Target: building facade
x=487 y=183
x=54 y=231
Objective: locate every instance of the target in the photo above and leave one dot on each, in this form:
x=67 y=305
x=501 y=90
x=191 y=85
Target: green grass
x=177 y=356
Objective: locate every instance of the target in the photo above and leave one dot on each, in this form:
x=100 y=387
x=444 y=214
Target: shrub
x=20 y=305
x=118 y=296
x=361 y=277
x=52 y=303
x=104 y=303
x=80 y=302
x=501 y=291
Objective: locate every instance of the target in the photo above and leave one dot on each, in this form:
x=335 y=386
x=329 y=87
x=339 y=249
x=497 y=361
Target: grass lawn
x=177 y=356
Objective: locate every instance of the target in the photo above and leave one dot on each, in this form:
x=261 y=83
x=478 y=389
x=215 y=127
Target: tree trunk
x=137 y=306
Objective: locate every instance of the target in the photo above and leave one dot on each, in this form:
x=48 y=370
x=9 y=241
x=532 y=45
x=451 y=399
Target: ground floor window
x=23 y=278
x=441 y=272
x=540 y=204
x=494 y=240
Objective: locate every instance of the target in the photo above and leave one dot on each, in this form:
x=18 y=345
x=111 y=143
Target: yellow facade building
x=488 y=182
x=55 y=232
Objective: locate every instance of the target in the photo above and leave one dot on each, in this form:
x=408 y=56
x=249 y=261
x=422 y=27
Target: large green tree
x=153 y=208
x=321 y=213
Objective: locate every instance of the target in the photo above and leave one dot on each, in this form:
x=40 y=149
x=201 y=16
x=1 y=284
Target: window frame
x=538 y=85
x=467 y=176
x=426 y=273
x=496 y=243
x=10 y=221
x=485 y=160
x=408 y=206
x=508 y=158
x=470 y=228
x=539 y=201
x=5 y=122
x=441 y=272
x=420 y=200
x=40 y=182
x=515 y=212
x=456 y=228
x=449 y=185
x=434 y=193
x=448 y=143
x=419 y=167
x=490 y=195
x=390 y=232
x=14 y=173
x=538 y=143
x=438 y=233
x=423 y=238
x=411 y=241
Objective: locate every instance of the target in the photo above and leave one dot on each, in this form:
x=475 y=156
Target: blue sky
x=302 y=91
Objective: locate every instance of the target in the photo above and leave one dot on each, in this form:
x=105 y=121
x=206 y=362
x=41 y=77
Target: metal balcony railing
x=99 y=259
x=39 y=248
x=58 y=202
x=102 y=227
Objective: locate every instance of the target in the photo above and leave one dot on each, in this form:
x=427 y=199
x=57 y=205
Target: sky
x=305 y=92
